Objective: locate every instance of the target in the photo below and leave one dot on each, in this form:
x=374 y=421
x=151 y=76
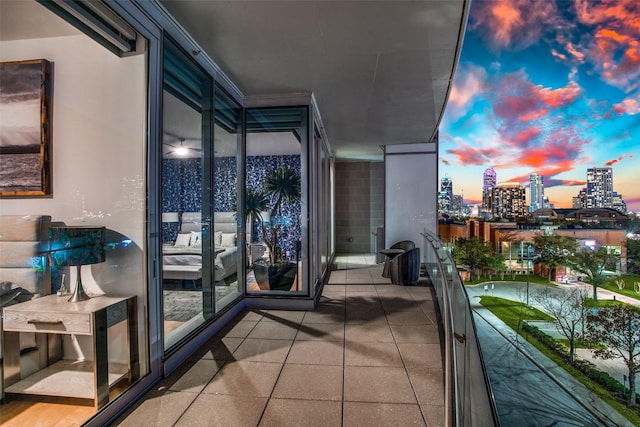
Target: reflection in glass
x=227 y=241
x=186 y=254
x=273 y=205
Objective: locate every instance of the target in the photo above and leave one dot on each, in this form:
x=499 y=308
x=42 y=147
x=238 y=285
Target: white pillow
x=218 y=239
x=183 y=239
x=196 y=238
x=228 y=240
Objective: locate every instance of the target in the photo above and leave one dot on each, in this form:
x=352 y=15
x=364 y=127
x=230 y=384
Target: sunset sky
x=545 y=86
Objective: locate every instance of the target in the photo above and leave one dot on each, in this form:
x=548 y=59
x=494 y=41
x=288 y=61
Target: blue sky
x=551 y=87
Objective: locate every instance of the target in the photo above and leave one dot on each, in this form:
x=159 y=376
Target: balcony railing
x=468 y=397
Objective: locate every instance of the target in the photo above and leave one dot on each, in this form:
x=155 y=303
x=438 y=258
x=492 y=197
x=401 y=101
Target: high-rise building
x=509 y=200
x=618 y=203
x=599 y=188
x=489 y=181
x=536 y=192
x=580 y=201
x=446 y=186
x=456 y=203
x=445 y=196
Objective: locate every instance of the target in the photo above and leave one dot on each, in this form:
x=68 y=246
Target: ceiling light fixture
x=182 y=150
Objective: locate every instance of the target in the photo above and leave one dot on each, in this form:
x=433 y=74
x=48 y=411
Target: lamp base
x=78 y=294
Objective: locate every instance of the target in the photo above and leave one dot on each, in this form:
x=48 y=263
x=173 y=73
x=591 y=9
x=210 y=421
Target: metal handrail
x=469 y=399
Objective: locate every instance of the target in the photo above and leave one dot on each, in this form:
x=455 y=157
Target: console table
x=70 y=378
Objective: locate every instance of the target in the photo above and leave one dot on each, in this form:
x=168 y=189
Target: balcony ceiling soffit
x=379 y=70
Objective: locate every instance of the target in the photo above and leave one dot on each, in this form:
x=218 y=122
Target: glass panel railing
x=468 y=397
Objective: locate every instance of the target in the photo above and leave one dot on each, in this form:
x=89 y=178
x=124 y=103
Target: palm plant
x=255 y=203
x=281 y=185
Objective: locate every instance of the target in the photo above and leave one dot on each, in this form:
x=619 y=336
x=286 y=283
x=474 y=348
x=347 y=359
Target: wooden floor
x=22 y=411
x=31 y=411
x=38 y=411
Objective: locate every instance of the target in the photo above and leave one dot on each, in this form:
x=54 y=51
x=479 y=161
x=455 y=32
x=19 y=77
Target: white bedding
x=187 y=250
x=226 y=261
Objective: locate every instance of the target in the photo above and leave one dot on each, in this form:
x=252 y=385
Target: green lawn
x=628 y=289
x=512 y=313
x=603 y=303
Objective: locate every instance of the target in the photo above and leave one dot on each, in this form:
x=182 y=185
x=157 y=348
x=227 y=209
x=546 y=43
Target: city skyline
x=551 y=88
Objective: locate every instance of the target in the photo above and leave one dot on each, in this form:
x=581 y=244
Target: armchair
x=395 y=250
x=405 y=268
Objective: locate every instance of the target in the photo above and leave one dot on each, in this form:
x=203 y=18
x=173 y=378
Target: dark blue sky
x=551 y=87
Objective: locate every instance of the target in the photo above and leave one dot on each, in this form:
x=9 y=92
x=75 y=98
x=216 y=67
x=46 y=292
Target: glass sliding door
x=227 y=233
x=187 y=249
x=83 y=105
x=276 y=199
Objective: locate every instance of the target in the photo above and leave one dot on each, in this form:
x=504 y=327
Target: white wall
x=411 y=185
x=97 y=152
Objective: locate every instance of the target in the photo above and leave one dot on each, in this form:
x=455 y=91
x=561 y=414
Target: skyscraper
x=599 y=188
x=536 y=192
x=489 y=181
x=580 y=201
x=509 y=200
x=618 y=203
x=445 y=195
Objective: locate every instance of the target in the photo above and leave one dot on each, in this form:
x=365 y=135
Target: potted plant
x=281 y=185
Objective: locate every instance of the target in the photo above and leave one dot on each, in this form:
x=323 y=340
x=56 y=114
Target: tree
x=618 y=329
x=567 y=307
x=510 y=236
x=553 y=251
x=473 y=252
x=633 y=256
x=280 y=185
x=496 y=264
x=591 y=262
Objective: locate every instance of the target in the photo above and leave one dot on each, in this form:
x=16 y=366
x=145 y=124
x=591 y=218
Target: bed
x=182 y=260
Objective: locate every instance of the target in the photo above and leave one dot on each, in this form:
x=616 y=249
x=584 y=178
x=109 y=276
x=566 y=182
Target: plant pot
x=262 y=271
x=274 y=276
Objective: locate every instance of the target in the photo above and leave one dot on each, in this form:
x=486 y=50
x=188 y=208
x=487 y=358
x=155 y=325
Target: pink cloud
x=614 y=49
x=627 y=106
x=577 y=55
x=528 y=134
x=468 y=155
x=559 y=151
x=557 y=98
x=513 y=24
x=517 y=97
x=559 y=55
x=624 y=156
x=549 y=180
x=469 y=82
x=523 y=109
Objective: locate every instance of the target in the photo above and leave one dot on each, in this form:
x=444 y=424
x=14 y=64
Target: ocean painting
x=24 y=129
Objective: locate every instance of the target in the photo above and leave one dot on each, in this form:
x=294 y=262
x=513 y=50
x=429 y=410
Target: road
x=528 y=386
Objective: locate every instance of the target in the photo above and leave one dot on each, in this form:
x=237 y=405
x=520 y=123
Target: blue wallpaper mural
x=257 y=168
x=182 y=191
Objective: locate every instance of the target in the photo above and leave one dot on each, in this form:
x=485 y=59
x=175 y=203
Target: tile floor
x=369 y=355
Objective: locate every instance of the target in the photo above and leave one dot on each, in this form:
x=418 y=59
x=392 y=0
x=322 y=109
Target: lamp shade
x=170 y=217
x=77 y=245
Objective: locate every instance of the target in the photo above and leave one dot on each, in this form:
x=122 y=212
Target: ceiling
x=380 y=71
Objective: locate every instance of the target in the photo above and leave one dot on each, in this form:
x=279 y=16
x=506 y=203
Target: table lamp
x=77 y=245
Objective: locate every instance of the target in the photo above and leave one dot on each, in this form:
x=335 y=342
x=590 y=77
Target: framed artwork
x=25 y=128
